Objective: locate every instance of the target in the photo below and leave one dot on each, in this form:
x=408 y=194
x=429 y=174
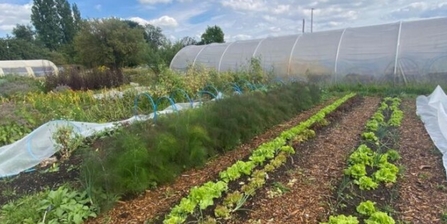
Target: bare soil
x=423 y=185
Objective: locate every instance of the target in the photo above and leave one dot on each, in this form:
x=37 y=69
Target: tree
x=56 y=22
x=110 y=42
x=23 y=32
x=21 y=49
x=154 y=36
x=45 y=19
x=65 y=21
x=213 y=34
x=186 y=41
x=76 y=17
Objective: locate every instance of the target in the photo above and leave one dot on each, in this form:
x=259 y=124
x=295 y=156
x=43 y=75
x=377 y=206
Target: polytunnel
x=34 y=68
x=404 y=51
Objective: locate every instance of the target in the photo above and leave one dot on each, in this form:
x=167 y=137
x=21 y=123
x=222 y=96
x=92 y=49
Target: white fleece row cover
x=39 y=144
x=432 y=111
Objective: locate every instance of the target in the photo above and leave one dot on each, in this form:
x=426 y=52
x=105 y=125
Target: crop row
x=372 y=169
x=274 y=152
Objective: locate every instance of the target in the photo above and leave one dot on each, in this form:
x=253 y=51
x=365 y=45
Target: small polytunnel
x=410 y=50
x=34 y=68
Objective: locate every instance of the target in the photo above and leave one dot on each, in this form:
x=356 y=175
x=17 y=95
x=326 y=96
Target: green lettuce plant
x=342 y=219
x=380 y=218
x=357 y=170
x=366 y=183
x=366 y=208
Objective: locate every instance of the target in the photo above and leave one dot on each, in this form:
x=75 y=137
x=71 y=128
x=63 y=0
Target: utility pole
x=304 y=21
x=311 y=20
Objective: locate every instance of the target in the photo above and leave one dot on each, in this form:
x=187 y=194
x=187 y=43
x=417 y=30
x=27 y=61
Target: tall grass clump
x=147 y=154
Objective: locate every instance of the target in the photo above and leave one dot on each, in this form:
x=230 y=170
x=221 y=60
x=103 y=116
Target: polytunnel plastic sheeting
x=207 y=56
x=316 y=53
x=368 y=50
x=432 y=111
x=238 y=55
x=185 y=58
x=275 y=57
x=39 y=145
x=423 y=48
x=401 y=50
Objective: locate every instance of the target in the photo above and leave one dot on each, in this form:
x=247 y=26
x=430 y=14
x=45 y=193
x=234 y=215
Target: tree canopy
x=110 y=42
x=23 y=32
x=56 y=22
x=213 y=34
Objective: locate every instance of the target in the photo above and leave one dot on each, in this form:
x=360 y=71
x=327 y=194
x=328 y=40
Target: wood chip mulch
x=159 y=201
x=423 y=186
x=316 y=173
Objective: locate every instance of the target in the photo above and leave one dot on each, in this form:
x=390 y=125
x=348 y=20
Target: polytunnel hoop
x=235 y=87
x=212 y=87
x=184 y=94
x=151 y=100
x=159 y=100
x=200 y=93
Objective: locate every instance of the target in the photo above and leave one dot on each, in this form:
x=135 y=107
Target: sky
x=239 y=19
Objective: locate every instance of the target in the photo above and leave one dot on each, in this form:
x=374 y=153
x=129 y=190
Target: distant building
x=33 y=68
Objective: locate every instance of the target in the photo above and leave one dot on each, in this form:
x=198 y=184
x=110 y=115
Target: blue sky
x=239 y=19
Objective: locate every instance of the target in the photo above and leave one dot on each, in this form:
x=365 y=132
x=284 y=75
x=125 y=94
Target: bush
x=80 y=79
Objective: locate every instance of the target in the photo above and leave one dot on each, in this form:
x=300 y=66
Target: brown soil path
x=318 y=167
x=159 y=201
x=423 y=186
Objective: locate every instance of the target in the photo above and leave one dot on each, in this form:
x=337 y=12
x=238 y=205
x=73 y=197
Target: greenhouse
x=33 y=68
x=403 y=51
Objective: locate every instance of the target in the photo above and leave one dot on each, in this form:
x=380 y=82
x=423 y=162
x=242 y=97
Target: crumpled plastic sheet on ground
x=39 y=145
x=432 y=111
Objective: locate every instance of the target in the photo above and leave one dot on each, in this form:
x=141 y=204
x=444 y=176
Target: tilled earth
x=423 y=185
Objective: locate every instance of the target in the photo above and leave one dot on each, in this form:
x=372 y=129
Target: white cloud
x=239 y=37
x=98 y=7
x=12 y=14
x=274 y=29
x=245 y=5
x=152 y=2
x=280 y=9
x=163 y=22
x=139 y=20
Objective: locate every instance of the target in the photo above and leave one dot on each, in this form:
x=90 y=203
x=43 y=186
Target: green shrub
x=81 y=79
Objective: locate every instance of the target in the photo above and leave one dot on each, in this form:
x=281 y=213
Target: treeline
x=59 y=33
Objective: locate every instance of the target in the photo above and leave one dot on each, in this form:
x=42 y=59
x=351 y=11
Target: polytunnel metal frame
x=354 y=32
